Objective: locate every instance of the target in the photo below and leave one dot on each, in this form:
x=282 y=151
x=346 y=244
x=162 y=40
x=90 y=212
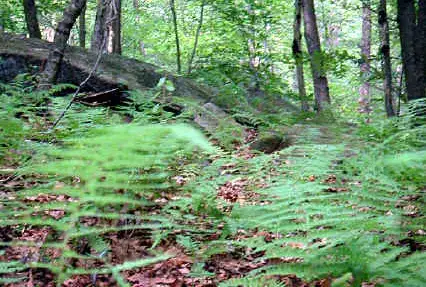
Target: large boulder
x=22 y=55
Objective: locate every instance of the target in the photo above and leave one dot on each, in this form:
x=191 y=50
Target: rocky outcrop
x=21 y=55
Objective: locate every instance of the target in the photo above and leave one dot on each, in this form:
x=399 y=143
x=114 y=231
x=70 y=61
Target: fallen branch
x=92 y=100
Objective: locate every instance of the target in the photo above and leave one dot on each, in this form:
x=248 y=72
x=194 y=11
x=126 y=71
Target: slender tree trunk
x=100 y=31
x=409 y=33
x=421 y=43
x=136 y=4
x=386 y=59
x=364 y=90
x=141 y=43
x=175 y=25
x=30 y=11
x=298 y=55
x=114 y=30
x=197 y=35
x=322 y=96
x=82 y=28
x=62 y=34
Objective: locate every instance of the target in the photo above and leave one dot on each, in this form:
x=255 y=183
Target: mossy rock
x=269 y=142
x=220 y=125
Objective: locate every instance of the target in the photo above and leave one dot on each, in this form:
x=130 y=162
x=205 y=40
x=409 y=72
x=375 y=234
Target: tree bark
x=364 y=90
x=175 y=25
x=421 y=43
x=386 y=59
x=321 y=90
x=30 y=11
x=197 y=35
x=62 y=34
x=114 y=30
x=298 y=55
x=411 y=54
x=136 y=4
x=82 y=28
x=100 y=31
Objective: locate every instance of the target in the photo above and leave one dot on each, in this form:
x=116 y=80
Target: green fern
x=107 y=176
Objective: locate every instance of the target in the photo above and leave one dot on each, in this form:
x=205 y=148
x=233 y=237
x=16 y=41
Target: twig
x=95 y=67
x=401 y=80
x=74 y=96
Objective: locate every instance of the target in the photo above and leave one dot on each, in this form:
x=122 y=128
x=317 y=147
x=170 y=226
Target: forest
x=204 y=143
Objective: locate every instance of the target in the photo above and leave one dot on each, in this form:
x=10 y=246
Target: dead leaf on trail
x=411 y=211
x=336 y=189
x=289 y=280
x=331 y=179
x=56 y=214
x=276 y=261
x=233 y=191
x=250 y=135
x=245 y=153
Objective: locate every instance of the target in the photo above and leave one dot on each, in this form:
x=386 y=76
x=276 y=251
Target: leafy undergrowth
x=101 y=203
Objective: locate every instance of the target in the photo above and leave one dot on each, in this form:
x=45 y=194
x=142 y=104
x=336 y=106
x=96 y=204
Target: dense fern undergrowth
x=100 y=201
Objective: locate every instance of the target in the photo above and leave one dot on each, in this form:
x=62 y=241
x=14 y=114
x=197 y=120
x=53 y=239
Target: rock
x=220 y=125
x=20 y=55
x=270 y=142
x=211 y=116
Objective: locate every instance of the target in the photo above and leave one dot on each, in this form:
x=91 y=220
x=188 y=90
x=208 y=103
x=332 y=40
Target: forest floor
x=232 y=244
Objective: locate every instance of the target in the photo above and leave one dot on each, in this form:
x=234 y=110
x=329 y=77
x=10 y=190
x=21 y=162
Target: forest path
x=245 y=218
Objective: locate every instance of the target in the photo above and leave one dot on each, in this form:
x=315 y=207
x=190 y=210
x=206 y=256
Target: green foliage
x=341 y=203
x=344 y=230
x=11 y=133
x=8 y=268
x=106 y=177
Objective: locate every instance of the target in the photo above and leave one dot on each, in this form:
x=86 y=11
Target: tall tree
x=62 y=34
x=100 y=32
x=364 y=90
x=298 y=55
x=82 y=28
x=386 y=59
x=30 y=11
x=175 y=26
x=413 y=44
x=421 y=41
x=321 y=90
x=197 y=35
x=114 y=30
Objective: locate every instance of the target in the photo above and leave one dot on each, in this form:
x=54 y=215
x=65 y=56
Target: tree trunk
x=298 y=55
x=136 y=4
x=386 y=59
x=82 y=28
x=411 y=56
x=114 y=30
x=364 y=90
x=100 y=31
x=197 y=35
x=322 y=97
x=30 y=11
x=421 y=43
x=175 y=25
x=62 y=34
